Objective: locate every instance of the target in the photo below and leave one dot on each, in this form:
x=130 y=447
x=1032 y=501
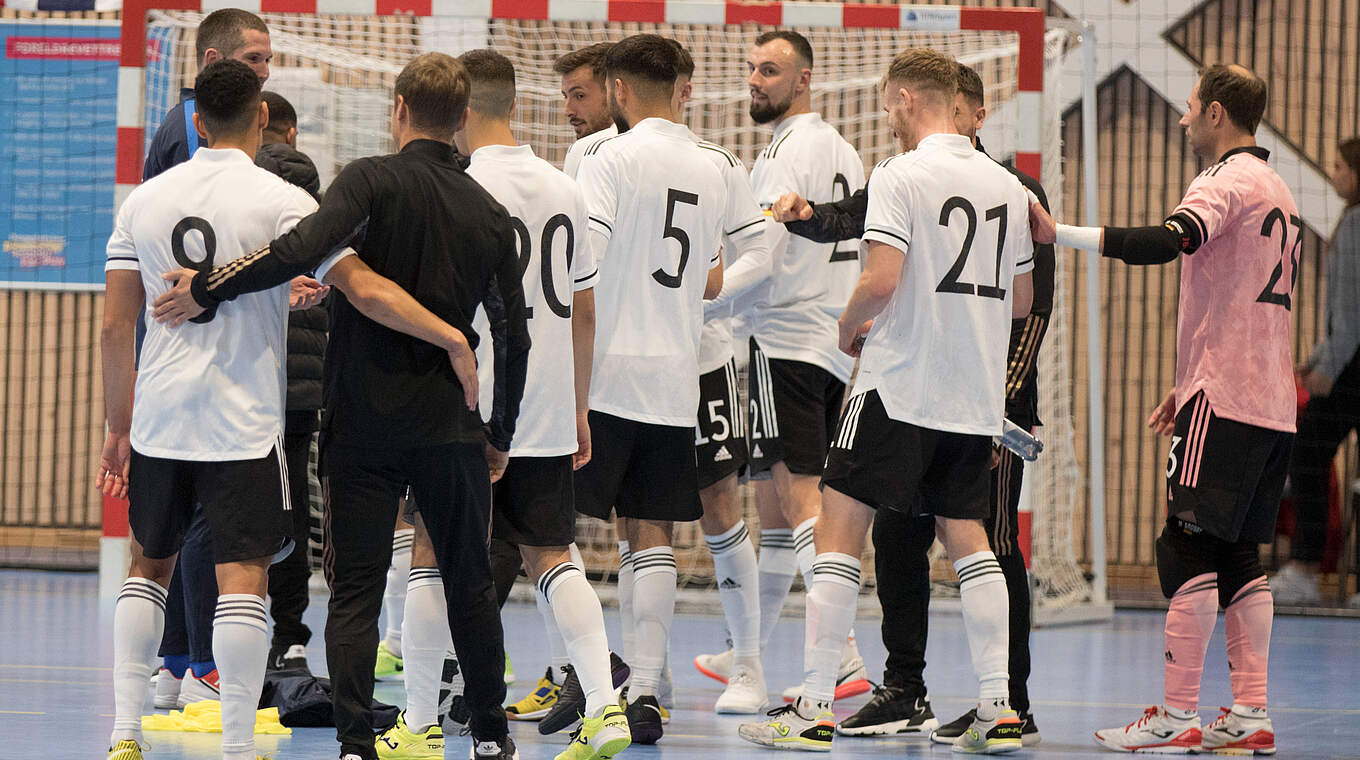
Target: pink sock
x=1189 y=624
x=1249 y=617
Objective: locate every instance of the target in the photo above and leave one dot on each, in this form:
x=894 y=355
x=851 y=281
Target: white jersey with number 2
x=937 y=352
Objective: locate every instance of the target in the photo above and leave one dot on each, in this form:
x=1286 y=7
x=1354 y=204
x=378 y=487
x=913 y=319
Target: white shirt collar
x=795 y=120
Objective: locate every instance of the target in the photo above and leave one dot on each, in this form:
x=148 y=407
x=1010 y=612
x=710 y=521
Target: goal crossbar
x=1027 y=23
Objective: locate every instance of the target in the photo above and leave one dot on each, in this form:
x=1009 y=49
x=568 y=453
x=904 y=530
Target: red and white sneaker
x=1155 y=733
x=195 y=689
x=1240 y=730
x=715 y=666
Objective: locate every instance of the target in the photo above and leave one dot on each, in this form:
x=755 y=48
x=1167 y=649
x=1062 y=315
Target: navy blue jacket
x=175 y=140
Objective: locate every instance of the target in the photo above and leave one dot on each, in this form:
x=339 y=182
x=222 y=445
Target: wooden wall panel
x=1308 y=51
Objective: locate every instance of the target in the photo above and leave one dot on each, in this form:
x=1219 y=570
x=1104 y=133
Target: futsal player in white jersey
x=208 y=421
x=948 y=260
x=720 y=440
x=797 y=374
x=585 y=102
x=586 y=108
x=656 y=208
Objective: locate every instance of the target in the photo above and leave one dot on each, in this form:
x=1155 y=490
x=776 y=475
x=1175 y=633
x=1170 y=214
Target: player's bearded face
x=586 y=105
x=770 y=102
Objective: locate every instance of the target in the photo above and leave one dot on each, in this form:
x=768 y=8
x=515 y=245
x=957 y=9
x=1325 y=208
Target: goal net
x=338 y=72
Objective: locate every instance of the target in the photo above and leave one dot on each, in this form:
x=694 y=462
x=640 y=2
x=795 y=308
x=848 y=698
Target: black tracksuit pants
x=288 y=592
x=452 y=487
x=903 y=575
x=1323 y=424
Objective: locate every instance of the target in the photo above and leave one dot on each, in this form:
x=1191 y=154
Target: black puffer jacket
x=306 y=329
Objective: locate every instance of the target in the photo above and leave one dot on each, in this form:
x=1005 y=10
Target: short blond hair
x=924 y=70
x=435 y=87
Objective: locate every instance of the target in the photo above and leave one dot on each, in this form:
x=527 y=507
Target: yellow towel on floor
x=206 y=717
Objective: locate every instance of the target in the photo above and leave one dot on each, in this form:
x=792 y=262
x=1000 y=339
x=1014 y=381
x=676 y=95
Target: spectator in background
x=1332 y=378
x=306 y=348
x=225 y=33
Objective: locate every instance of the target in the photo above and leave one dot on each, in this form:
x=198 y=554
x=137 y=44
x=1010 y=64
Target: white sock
x=654 y=607
x=556 y=646
x=831 y=604
x=240 y=648
x=581 y=622
x=138 y=622
x=426 y=638
x=625 y=590
x=986 y=619
x=776 y=566
x=734 y=563
x=394 y=598
x=806 y=549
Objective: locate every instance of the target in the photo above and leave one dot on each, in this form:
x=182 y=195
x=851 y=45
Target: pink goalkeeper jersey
x=1232 y=330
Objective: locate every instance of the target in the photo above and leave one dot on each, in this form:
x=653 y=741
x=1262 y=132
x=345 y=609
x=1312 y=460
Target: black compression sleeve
x=834 y=222
x=1141 y=245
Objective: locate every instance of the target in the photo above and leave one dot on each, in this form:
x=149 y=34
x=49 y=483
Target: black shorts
x=914 y=470
x=794 y=408
x=533 y=503
x=640 y=470
x=720 y=438
x=245 y=502
x=1227 y=477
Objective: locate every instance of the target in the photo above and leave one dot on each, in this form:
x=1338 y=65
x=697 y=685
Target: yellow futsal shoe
x=401 y=743
x=127 y=749
x=599 y=738
x=388 y=664
x=538 y=702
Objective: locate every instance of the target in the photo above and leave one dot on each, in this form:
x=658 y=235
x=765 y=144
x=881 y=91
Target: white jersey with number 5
x=810 y=282
x=937 y=352
x=209 y=392
x=659 y=201
x=549 y=217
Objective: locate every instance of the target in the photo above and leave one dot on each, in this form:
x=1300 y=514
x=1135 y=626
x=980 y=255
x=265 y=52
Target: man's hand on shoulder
x=1042 y=229
x=791 y=207
x=177 y=305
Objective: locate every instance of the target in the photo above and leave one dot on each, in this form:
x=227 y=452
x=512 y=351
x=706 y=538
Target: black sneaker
x=501 y=750
x=453 y=709
x=946 y=734
x=892 y=710
x=292 y=657
x=1029 y=732
x=571 y=701
x=644 y=719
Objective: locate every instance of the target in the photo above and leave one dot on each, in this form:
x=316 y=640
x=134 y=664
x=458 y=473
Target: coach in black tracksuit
x=901 y=542
x=394 y=412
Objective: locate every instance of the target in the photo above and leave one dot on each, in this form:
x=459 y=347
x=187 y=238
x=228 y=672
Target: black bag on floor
x=304 y=701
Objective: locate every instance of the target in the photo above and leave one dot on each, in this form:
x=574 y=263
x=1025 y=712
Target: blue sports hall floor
x=56 y=698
